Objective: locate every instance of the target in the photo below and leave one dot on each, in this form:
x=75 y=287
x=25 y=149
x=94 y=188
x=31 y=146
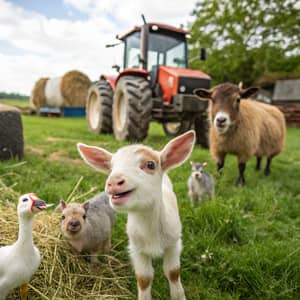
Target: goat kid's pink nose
x=115 y=183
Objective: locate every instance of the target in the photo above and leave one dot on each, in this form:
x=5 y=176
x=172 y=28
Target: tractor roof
x=159 y=25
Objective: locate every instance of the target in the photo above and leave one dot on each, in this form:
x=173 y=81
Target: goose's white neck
x=25 y=231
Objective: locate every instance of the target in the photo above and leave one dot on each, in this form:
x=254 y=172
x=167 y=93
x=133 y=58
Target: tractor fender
x=132 y=72
x=110 y=79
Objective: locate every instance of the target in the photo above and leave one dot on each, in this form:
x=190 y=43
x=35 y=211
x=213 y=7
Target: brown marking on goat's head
x=73 y=218
x=174 y=275
x=149 y=160
x=143 y=281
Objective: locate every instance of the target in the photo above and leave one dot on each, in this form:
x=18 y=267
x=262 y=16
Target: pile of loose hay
x=62 y=275
x=38 y=97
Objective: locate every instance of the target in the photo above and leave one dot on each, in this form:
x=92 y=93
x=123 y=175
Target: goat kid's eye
x=84 y=217
x=25 y=200
x=63 y=217
x=150 y=165
x=238 y=100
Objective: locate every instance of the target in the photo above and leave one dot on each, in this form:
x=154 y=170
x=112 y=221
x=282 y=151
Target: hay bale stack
x=61 y=274
x=38 y=96
x=74 y=88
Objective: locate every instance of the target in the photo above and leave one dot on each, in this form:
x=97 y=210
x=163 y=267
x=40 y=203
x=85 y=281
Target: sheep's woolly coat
x=259 y=130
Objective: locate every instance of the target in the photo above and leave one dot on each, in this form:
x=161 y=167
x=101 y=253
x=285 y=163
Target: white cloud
x=51 y=47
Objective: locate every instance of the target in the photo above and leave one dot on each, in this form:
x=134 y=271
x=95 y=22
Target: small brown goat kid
x=242 y=127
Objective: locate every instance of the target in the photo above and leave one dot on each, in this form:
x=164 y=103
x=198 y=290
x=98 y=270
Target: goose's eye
x=24 y=199
x=150 y=165
x=63 y=217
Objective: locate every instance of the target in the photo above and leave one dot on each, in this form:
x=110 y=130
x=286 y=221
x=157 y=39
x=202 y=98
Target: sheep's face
x=73 y=218
x=224 y=107
x=133 y=178
x=224 y=104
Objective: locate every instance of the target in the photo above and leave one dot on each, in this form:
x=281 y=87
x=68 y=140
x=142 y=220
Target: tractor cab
x=152 y=45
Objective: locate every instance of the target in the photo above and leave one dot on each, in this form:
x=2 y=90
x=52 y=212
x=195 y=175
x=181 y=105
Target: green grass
x=250 y=236
x=19 y=103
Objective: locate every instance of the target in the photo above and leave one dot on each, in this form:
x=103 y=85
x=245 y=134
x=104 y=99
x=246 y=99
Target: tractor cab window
x=132 y=51
x=168 y=50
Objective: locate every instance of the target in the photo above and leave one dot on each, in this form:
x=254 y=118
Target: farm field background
x=243 y=245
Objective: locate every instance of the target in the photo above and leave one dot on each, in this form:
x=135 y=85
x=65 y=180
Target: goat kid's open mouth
x=121 y=198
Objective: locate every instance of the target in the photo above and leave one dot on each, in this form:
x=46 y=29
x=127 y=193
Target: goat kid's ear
x=203 y=94
x=97 y=158
x=177 y=151
x=86 y=205
x=204 y=164
x=247 y=93
x=61 y=206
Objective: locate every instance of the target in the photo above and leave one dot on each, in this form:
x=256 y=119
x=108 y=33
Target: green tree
x=246 y=38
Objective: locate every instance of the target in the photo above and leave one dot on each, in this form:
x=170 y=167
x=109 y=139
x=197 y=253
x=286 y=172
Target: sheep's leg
x=241 y=178
x=144 y=274
x=24 y=291
x=171 y=268
x=258 y=163
x=220 y=162
x=268 y=165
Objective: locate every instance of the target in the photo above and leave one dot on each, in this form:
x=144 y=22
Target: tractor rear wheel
x=176 y=128
x=11 y=133
x=99 y=107
x=132 y=108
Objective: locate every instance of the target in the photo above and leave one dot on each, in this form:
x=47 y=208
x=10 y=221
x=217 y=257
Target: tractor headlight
x=182 y=89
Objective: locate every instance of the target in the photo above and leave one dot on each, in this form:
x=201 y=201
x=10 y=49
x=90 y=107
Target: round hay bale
x=62 y=274
x=53 y=94
x=38 y=97
x=11 y=133
x=74 y=88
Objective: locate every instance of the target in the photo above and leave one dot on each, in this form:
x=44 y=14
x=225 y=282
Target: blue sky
x=49 y=38
x=52 y=9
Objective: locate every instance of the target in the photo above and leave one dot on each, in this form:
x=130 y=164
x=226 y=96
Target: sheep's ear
x=97 y=158
x=61 y=206
x=203 y=94
x=86 y=205
x=177 y=151
x=247 y=93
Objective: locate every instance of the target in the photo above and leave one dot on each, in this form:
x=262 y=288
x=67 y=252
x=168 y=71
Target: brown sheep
x=242 y=128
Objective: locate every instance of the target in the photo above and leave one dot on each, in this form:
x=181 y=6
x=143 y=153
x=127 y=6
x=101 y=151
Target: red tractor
x=155 y=84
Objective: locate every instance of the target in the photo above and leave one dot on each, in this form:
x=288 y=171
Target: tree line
x=246 y=39
x=4 y=95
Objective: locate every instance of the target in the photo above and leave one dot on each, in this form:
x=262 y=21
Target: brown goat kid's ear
x=61 y=206
x=247 y=93
x=97 y=158
x=203 y=94
x=86 y=205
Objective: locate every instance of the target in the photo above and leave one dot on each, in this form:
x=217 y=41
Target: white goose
x=19 y=261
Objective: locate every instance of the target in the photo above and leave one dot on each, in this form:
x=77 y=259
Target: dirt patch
x=54 y=139
x=61 y=156
x=35 y=151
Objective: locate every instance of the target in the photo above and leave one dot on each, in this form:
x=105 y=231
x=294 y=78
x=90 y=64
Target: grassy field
x=243 y=245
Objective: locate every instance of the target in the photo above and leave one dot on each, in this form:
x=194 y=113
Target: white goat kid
x=138 y=185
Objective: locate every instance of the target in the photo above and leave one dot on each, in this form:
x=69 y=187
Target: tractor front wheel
x=99 y=107
x=132 y=108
